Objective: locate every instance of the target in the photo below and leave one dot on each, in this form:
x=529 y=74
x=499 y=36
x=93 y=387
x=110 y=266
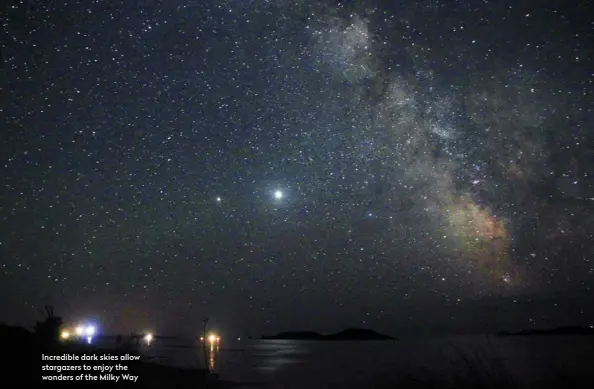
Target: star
x=351 y=154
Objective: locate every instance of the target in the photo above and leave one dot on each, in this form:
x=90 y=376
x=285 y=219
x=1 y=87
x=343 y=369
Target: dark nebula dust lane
x=253 y=159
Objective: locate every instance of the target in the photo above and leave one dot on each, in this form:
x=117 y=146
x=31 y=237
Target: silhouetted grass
x=481 y=369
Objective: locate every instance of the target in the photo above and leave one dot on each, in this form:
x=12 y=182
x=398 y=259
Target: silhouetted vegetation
x=481 y=369
x=48 y=330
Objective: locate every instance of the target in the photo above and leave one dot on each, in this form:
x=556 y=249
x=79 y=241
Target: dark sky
x=274 y=165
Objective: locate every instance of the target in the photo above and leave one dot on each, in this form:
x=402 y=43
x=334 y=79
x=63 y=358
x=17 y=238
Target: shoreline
x=26 y=361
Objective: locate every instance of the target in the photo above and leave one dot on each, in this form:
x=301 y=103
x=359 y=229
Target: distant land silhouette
x=348 y=334
x=564 y=330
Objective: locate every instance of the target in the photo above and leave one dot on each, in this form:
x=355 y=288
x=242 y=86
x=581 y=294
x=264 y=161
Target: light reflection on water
x=212 y=353
x=304 y=364
x=276 y=354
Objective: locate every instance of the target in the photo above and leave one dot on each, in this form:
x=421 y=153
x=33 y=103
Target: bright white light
x=278 y=195
x=218 y=199
x=212 y=338
x=89 y=339
x=79 y=331
x=148 y=338
x=90 y=331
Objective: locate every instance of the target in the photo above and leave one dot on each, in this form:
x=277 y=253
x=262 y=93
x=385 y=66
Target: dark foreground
x=22 y=366
x=467 y=361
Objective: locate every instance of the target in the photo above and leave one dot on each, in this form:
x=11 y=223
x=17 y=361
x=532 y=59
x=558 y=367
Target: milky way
x=351 y=161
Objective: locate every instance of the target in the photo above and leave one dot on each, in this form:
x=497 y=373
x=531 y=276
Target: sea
x=290 y=364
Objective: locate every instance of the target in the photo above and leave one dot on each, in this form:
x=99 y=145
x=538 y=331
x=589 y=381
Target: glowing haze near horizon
x=290 y=164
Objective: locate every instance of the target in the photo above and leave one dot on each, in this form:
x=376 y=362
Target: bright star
x=218 y=199
x=278 y=195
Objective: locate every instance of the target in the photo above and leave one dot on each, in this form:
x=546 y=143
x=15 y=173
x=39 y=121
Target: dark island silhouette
x=563 y=330
x=348 y=334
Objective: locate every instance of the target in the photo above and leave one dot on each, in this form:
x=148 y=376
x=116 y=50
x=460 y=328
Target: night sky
x=278 y=165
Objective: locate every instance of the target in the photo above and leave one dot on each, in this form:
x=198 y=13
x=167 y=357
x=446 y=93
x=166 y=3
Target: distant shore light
x=90 y=331
x=148 y=338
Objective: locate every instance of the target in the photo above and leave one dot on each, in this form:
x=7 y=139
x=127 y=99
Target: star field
x=293 y=163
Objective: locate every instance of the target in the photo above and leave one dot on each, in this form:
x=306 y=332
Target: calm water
x=306 y=364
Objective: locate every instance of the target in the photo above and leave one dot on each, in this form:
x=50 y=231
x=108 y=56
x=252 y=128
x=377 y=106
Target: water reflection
x=276 y=354
x=212 y=352
x=209 y=347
